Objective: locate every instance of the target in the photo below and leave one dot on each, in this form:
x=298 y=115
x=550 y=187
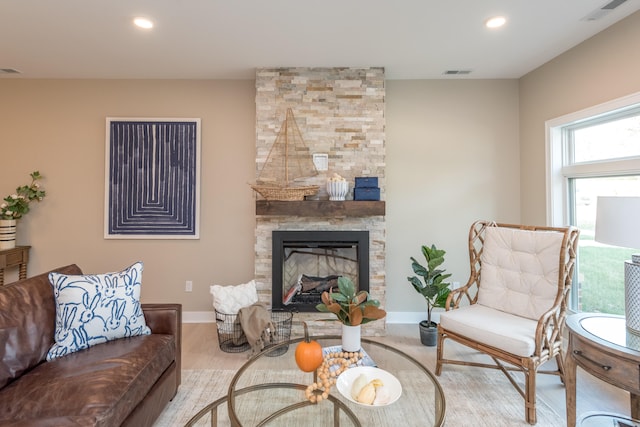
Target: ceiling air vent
x=613 y=4
x=603 y=11
x=456 y=72
x=9 y=71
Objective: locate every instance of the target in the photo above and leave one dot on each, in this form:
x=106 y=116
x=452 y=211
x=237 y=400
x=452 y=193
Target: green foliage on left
x=16 y=205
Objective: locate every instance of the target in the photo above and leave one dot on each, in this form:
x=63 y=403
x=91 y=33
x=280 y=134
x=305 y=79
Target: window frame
x=557 y=151
x=561 y=170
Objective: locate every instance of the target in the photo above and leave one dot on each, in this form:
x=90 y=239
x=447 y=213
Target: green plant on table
x=16 y=205
x=350 y=307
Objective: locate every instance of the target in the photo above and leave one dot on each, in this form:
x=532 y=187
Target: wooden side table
x=16 y=257
x=601 y=345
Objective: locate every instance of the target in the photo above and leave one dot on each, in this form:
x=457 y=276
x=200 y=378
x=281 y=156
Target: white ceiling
x=220 y=39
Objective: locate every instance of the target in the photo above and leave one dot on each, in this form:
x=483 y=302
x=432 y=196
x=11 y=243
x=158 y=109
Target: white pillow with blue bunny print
x=95 y=308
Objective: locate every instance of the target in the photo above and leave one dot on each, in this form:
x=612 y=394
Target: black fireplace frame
x=282 y=238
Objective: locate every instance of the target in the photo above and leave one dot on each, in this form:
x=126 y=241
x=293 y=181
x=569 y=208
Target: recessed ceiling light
x=495 y=22
x=143 y=23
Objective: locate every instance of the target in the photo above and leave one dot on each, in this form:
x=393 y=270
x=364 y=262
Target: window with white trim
x=594 y=152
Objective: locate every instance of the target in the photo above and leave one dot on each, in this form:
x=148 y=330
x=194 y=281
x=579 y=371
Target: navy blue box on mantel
x=366 y=182
x=366 y=193
x=366 y=188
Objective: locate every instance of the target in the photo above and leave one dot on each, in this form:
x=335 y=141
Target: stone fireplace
x=340 y=112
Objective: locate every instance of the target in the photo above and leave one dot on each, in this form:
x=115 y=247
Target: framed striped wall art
x=152 y=178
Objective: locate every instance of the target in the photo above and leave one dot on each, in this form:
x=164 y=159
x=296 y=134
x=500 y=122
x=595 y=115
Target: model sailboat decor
x=289 y=160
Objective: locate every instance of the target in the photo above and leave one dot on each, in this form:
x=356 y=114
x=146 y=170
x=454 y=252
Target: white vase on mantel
x=351 y=338
x=7 y=234
x=337 y=190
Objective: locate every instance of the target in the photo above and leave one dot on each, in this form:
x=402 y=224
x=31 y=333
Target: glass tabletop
x=595 y=419
x=269 y=390
x=611 y=329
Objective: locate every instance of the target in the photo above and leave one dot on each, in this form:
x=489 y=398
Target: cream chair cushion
x=496 y=328
x=520 y=271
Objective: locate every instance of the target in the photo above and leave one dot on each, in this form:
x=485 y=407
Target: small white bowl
x=346 y=379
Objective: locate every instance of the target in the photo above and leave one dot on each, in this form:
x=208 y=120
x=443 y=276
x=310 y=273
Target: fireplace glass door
x=307 y=263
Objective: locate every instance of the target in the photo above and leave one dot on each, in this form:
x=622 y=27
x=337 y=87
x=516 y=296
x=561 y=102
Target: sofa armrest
x=166 y=319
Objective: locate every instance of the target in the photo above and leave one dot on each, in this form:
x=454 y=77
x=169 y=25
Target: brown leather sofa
x=125 y=382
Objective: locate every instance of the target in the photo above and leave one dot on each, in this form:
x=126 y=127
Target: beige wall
x=452 y=158
x=58 y=127
x=603 y=68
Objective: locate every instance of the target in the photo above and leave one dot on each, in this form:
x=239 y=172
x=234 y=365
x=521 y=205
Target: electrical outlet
x=188 y=286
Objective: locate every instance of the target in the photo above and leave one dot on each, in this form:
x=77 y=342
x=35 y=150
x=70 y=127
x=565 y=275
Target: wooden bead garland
x=326 y=378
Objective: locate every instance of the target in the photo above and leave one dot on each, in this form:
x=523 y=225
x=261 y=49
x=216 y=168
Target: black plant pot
x=428 y=334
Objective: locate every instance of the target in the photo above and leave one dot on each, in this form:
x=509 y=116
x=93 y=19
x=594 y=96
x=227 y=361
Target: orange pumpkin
x=308 y=353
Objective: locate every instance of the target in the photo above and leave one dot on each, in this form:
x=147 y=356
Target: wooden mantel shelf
x=320 y=208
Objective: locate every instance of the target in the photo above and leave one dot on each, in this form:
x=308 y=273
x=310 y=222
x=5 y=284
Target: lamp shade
x=618 y=221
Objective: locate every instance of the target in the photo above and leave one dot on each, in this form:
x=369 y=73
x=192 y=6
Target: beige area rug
x=477 y=397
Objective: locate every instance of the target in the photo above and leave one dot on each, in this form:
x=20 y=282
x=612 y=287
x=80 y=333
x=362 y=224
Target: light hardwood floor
x=200 y=351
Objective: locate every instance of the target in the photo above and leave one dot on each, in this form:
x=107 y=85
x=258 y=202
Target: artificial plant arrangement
x=16 y=205
x=350 y=307
x=432 y=286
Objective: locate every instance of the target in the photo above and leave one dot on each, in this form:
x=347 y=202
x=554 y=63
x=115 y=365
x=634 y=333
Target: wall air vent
x=9 y=71
x=603 y=11
x=456 y=72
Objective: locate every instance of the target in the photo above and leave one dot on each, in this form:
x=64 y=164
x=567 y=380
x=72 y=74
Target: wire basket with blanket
x=254 y=327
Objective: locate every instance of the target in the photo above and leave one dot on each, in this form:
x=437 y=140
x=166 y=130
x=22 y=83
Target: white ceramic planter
x=7 y=234
x=351 y=338
x=337 y=189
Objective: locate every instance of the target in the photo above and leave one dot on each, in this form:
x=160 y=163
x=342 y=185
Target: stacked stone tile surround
x=340 y=111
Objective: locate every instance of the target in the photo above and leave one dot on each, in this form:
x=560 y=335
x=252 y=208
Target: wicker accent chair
x=514 y=305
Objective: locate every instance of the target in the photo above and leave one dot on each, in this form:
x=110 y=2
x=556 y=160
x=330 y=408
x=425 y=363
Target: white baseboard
x=392 y=317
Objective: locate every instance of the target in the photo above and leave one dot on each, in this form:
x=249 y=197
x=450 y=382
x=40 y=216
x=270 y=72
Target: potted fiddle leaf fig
x=432 y=287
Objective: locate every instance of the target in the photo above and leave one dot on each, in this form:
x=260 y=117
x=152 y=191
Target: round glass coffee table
x=269 y=391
